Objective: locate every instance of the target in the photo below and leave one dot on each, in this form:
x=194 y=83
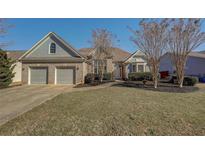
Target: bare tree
x=102 y=42
x=151 y=39
x=184 y=36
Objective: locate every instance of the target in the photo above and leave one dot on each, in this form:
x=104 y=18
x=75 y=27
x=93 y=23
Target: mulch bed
x=162 y=87
x=96 y=83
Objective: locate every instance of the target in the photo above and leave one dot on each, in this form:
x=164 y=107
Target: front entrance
x=117 y=71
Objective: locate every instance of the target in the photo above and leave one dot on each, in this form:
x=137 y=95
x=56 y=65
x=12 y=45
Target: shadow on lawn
x=162 y=87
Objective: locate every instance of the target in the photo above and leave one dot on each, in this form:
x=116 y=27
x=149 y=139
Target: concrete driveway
x=17 y=100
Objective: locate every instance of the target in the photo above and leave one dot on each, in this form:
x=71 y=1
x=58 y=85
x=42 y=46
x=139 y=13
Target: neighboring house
x=202 y=52
x=52 y=61
x=114 y=64
x=15 y=55
x=195 y=65
x=136 y=63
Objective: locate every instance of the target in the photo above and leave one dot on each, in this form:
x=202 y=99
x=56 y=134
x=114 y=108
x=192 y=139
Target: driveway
x=17 y=100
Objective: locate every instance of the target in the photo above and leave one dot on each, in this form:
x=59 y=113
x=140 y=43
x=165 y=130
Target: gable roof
x=15 y=54
x=138 y=52
x=57 y=37
x=118 y=54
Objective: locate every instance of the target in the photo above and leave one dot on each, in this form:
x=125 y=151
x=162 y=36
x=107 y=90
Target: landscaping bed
x=162 y=86
x=95 y=83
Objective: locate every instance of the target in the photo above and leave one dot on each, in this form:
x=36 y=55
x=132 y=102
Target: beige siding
x=147 y=68
x=85 y=70
x=110 y=67
x=17 y=71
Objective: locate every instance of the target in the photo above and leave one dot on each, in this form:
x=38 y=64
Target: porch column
x=124 y=71
x=144 y=67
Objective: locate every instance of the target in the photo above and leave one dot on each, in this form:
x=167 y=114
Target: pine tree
x=6 y=69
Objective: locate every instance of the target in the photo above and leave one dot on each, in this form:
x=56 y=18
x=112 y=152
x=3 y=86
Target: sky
x=77 y=32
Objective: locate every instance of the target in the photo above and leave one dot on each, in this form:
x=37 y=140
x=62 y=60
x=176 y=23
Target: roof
x=197 y=54
x=53 y=59
x=193 y=54
x=138 y=53
x=15 y=54
x=45 y=37
x=202 y=52
x=117 y=53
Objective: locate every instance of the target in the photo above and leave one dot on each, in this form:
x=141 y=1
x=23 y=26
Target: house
x=14 y=56
x=52 y=61
x=195 y=65
x=136 y=62
x=114 y=64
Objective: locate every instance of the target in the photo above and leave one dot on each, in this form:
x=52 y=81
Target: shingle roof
x=15 y=54
x=194 y=54
x=202 y=52
x=118 y=54
x=197 y=54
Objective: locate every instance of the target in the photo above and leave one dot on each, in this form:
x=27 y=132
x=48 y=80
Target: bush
x=140 y=76
x=90 y=77
x=107 y=76
x=188 y=80
x=6 y=70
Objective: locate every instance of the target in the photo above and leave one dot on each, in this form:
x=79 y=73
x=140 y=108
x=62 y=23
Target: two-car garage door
x=61 y=76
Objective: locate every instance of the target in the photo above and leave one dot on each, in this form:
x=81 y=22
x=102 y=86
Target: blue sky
x=77 y=32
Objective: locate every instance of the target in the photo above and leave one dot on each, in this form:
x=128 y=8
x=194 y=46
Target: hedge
x=140 y=76
x=188 y=80
x=90 y=77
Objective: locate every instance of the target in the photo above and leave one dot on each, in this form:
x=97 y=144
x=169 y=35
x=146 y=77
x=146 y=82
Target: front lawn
x=114 y=111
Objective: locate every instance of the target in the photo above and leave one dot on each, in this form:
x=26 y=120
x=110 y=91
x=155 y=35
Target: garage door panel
x=38 y=75
x=64 y=76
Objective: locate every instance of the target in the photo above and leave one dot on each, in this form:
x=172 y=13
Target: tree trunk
x=181 y=85
x=180 y=72
x=155 y=83
x=181 y=82
x=101 y=77
x=101 y=73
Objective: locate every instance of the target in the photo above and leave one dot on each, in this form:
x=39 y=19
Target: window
x=134 y=68
x=97 y=64
x=95 y=67
x=52 y=48
x=105 y=69
x=140 y=68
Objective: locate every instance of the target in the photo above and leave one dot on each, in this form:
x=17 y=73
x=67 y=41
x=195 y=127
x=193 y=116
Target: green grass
x=114 y=111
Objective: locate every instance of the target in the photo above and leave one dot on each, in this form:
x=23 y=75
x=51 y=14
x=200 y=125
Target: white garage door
x=38 y=76
x=64 y=76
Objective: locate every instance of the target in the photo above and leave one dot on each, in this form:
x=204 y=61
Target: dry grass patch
x=114 y=111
